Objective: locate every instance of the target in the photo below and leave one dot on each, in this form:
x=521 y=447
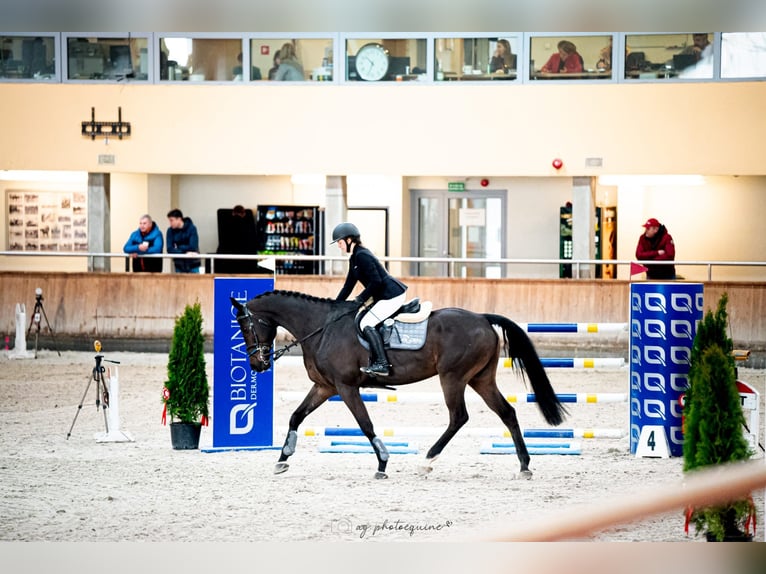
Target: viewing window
x=659 y=56
x=570 y=57
x=385 y=60
x=107 y=58
x=31 y=57
x=310 y=59
x=463 y=59
x=199 y=59
x=743 y=55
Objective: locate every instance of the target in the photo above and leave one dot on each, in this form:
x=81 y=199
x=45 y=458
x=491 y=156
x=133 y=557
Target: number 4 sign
x=653 y=443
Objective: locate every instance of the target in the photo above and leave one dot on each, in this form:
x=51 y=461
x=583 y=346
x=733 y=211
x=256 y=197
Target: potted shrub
x=186 y=391
x=713 y=420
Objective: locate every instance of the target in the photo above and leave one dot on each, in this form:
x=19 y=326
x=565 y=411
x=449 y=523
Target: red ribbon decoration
x=165 y=397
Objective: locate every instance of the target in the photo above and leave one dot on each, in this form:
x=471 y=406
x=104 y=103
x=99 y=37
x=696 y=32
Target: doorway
x=462 y=225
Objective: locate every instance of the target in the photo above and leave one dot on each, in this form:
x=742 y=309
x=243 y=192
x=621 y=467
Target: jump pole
x=410 y=432
x=574 y=327
x=438 y=398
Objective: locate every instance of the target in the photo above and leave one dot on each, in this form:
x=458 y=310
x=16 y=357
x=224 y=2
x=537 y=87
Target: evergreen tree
x=187 y=389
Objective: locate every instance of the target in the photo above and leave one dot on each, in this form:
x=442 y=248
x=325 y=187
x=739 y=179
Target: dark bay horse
x=462 y=347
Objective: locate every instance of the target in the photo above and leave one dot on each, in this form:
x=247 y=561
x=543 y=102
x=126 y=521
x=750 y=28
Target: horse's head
x=259 y=334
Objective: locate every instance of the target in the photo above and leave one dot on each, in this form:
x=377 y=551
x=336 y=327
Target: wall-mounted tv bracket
x=95 y=129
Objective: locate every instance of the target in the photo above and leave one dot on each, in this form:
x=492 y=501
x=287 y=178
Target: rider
x=388 y=293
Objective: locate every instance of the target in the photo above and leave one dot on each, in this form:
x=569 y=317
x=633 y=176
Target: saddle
x=405 y=329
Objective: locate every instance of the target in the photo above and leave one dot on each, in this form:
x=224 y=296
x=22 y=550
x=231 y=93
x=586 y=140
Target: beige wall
x=401 y=128
x=226 y=144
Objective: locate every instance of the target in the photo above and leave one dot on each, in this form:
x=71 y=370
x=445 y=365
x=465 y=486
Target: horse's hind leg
x=353 y=400
x=315 y=397
x=486 y=387
x=454 y=397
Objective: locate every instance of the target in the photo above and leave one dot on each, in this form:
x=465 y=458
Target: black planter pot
x=738 y=537
x=185 y=436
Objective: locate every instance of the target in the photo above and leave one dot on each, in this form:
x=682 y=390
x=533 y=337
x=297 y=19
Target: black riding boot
x=379 y=362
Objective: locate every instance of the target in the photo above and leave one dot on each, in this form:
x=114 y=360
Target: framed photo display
x=47 y=220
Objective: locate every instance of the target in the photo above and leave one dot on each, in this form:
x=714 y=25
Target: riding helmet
x=344 y=229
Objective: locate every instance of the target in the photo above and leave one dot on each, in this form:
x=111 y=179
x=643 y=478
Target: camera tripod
x=102 y=392
x=35 y=320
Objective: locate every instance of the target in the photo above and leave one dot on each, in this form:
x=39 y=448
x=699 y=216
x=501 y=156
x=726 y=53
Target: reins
x=274 y=356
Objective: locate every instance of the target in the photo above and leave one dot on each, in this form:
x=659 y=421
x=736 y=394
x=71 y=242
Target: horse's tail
x=518 y=346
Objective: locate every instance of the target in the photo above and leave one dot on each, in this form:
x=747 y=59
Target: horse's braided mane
x=297 y=295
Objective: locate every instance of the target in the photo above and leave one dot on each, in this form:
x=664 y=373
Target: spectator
x=700 y=43
x=182 y=237
x=503 y=60
x=145 y=240
x=290 y=69
x=656 y=244
x=275 y=67
x=566 y=60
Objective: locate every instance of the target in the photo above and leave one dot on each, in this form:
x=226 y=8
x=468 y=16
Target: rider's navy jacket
x=365 y=268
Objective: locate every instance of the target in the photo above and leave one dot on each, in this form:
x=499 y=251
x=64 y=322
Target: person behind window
x=145 y=240
x=290 y=69
x=182 y=237
x=387 y=293
x=502 y=60
x=237 y=70
x=275 y=67
x=566 y=60
x=700 y=43
x=605 y=57
x=656 y=244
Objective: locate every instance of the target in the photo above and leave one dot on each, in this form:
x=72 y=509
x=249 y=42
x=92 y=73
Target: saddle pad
x=406 y=336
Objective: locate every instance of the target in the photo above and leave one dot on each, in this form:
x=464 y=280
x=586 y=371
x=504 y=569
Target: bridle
x=264 y=351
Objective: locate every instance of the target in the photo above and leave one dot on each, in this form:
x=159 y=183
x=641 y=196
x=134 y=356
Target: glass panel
x=199 y=59
x=570 y=57
x=653 y=56
x=430 y=236
x=27 y=57
x=459 y=59
x=743 y=55
x=313 y=59
x=107 y=58
x=475 y=231
x=385 y=60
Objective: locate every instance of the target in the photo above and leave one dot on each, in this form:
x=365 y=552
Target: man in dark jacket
x=182 y=237
x=657 y=244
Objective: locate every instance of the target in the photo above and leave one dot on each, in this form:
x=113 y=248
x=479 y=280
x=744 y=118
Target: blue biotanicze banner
x=243 y=400
x=663 y=323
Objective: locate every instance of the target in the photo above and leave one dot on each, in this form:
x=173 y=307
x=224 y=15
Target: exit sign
x=455 y=186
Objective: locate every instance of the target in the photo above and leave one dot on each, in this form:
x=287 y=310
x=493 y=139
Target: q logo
x=635 y=304
x=656 y=302
x=679 y=381
x=680 y=355
x=241 y=419
x=654 y=355
x=681 y=302
x=654 y=328
x=636 y=328
x=654 y=409
x=681 y=329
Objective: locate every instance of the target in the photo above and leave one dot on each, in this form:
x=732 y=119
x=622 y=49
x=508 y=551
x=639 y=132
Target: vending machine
x=291 y=230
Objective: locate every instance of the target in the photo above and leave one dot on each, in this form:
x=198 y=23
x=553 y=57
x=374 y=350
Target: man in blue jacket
x=182 y=237
x=145 y=240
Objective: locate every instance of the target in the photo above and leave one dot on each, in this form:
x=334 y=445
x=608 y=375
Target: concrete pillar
x=583 y=225
x=99 y=226
x=336 y=195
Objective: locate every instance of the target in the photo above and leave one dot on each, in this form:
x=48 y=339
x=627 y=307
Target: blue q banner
x=663 y=322
x=243 y=400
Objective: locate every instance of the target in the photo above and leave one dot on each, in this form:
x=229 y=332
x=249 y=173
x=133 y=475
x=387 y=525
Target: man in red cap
x=657 y=244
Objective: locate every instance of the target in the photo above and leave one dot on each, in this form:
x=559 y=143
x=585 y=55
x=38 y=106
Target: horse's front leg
x=355 y=404
x=315 y=397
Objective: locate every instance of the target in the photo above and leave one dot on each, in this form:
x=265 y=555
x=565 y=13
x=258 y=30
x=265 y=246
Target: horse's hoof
x=281 y=467
x=525 y=475
x=380 y=475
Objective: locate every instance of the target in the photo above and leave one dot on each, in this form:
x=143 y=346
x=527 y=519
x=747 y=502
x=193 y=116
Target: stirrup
x=376 y=370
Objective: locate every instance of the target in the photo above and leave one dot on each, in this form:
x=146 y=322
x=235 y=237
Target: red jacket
x=573 y=63
x=648 y=249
